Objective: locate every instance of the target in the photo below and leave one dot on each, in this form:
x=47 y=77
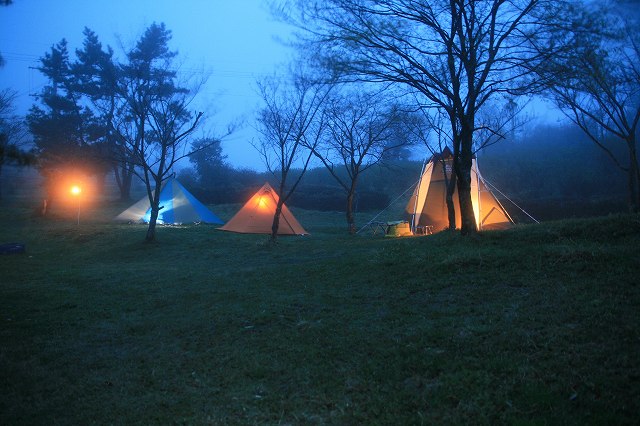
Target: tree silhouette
x=361 y=128
x=290 y=124
x=456 y=55
x=596 y=83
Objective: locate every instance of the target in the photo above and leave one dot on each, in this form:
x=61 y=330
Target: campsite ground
x=535 y=325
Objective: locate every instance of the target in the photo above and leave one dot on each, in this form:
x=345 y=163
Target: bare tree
x=361 y=128
x=170 y=125
x=596 y=83
x=12 y=135
x=155 y=122
x=291 y=124
x=457 y=54
x=494 y=123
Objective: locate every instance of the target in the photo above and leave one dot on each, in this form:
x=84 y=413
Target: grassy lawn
x=535 y=325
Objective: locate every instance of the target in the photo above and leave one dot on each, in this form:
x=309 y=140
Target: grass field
x=535 y=325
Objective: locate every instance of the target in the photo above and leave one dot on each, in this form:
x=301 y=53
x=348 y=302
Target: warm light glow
x=262 y=203
x=76 y=190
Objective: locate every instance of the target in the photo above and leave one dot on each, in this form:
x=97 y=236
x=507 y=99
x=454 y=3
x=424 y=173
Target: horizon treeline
x=551 y=171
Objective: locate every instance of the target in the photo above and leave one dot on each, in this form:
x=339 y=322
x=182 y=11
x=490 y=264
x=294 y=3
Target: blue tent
x=177 y=206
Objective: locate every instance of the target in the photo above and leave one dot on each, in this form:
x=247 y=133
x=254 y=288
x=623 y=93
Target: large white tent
x=427 y=206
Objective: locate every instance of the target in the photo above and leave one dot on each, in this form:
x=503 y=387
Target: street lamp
x=76 y=191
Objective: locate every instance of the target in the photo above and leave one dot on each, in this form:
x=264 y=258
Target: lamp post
x=76 y=191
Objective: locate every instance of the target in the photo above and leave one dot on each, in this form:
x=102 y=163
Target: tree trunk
x=124 y=178
x=101 y=182
x=462 y=165
x=351 y=219
x=125 y=189
x=450 y=181
x=276 y=222
x=351 y=222
x=151 y=230
x=50 y=198
x=634 y=176
x=155 y=210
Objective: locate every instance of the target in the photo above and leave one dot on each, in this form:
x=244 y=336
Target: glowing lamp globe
x=76 y=190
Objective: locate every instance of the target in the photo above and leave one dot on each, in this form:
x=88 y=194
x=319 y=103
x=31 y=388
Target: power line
x=21 y=57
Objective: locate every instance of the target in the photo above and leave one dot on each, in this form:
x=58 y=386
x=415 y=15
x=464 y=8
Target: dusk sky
x=234 y=42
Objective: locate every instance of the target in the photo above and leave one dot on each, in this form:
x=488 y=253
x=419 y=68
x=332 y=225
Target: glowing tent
x=427 y=206
x=177 y=205
x=256 y=216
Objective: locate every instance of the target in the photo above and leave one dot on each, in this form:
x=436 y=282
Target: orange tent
x=256 y=216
